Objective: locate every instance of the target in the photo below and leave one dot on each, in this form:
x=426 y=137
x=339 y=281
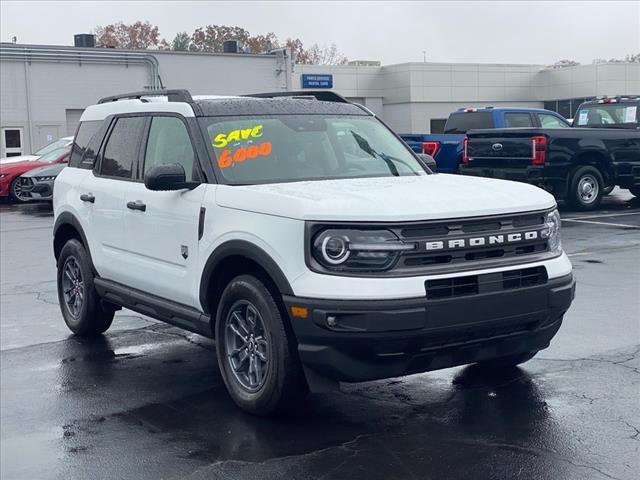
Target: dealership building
x=44 y=89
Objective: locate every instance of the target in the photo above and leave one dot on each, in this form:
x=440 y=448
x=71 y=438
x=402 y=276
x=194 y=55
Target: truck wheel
x=635 y=191
x=258 y=358
x=508 y=361
x=586 y=188
x=79 y=301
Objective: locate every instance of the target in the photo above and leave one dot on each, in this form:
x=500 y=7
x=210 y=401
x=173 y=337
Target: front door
x=161 y=228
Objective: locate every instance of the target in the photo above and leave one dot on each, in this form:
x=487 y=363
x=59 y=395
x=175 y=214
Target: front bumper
x=356 y=340
x=38 y=190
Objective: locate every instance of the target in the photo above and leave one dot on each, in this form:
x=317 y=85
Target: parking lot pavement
x=146 y=401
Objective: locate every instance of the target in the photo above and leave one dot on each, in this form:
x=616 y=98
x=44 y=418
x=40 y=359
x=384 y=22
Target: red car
x=10 y=185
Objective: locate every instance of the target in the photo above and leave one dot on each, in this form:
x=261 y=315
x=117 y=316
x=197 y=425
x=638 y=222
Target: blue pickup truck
x=447 y=148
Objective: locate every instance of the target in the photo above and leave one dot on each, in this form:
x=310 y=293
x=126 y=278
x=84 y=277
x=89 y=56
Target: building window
x=12 y=142
x=437 y=125
x=551 y=105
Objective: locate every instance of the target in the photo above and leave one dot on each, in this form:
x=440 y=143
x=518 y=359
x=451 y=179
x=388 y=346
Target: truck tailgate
x=505 y=148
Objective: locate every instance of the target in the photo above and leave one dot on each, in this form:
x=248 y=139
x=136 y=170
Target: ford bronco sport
x=305 y=237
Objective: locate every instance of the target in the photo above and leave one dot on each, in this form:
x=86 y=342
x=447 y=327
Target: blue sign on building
x=317 y=81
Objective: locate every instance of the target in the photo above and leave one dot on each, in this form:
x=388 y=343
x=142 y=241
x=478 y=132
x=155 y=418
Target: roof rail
x=172 y=96
x=322 y=95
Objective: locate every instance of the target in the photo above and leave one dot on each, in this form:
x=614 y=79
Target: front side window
x=169 y=142
x=515 y=120
x=121 y=149
x=285 y=148
x=551 y=121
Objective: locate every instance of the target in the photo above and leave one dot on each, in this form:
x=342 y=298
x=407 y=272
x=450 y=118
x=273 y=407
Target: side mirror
x=169 y=176
x=428 y=161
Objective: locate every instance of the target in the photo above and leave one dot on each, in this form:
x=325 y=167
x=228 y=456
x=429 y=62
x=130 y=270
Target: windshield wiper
x=364 y=145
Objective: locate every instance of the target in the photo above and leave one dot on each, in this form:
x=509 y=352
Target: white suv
x=305 y=237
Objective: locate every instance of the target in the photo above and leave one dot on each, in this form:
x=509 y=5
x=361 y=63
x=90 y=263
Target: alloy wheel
x=247 y=349
x=72 y=287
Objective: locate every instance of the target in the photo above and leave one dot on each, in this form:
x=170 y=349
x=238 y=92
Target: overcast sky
x=392 y=32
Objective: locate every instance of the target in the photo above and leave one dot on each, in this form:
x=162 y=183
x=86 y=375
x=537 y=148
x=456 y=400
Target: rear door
x=162 y=227
x=102 y=195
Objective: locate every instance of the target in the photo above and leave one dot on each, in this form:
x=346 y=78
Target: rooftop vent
x=84 y=40
x=232 y=46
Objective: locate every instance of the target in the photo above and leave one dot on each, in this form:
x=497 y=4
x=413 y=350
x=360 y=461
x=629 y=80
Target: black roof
x=241 y=106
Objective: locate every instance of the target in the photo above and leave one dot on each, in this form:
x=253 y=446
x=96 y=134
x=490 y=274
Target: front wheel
x=17 y=193
x=79 y=302
x=258 y=358
x=586 y=188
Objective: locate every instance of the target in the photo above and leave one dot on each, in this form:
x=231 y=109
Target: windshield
x=52 y=146
x=607 y=115
x=288 y=148
x=53 y=155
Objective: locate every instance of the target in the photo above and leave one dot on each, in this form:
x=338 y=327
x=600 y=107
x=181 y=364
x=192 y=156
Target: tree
x=315 y=55
x=181 y=42
x=137 y=36
x=633 y=58
x=564 y=63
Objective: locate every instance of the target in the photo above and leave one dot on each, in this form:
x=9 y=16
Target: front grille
x=456 y=245
x=485 y=283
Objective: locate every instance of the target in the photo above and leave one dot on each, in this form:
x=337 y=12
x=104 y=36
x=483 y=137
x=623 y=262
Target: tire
x=586 y=188
x=267 y=377
x=15 y=191
x=635 y=191
x=87 y=317
x=509 y=361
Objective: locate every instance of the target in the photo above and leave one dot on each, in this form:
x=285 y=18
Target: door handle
x=137 y=205
x=88 y=197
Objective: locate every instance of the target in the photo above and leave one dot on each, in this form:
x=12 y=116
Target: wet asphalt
x=146 y=401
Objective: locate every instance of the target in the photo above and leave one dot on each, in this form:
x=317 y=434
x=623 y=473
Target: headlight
x=552 y=232
x=347 y=250
x=45 y=179
x=2 y=175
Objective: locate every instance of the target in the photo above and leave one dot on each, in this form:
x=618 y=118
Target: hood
x=21 y=158
x=387 y=199
x=46 y=171
x=20 y=167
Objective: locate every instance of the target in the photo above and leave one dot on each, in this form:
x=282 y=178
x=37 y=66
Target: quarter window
x=513 y=120
x=169 y=142
x=122 y=147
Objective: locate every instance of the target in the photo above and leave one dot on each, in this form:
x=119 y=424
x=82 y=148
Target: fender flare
x=67 y=218
x=249 y=251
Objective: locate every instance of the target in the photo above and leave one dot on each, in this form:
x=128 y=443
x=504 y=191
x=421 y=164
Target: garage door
x=73 y=119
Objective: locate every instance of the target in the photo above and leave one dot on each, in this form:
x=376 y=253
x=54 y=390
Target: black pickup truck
x=575 y=164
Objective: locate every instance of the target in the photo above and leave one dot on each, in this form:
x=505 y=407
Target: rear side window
x=463 y=121
x=517 y=119
x=86 y=131
x=122 y=147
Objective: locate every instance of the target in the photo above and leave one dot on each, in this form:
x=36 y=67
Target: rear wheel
x=79 y=302
x=17 y=193
x=508 y=361
x=257 y=357
x=586 y=188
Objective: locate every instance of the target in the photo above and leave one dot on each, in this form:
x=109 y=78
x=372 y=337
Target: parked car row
x=578 y=161
x=30 y=177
